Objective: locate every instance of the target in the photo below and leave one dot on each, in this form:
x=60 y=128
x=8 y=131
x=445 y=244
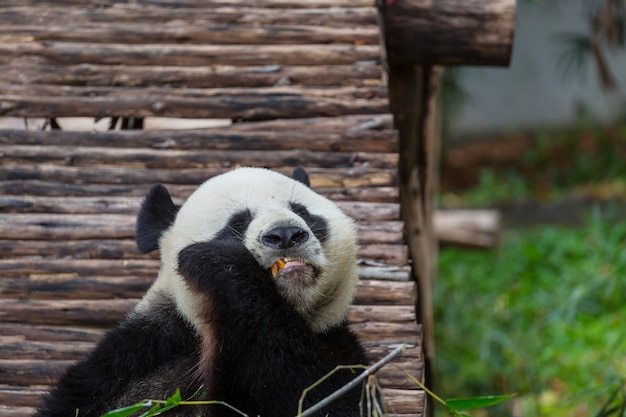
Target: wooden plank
x=333 y=15
x=238 y=108
x=342 y=183
x=172 y=4
x=79 y=267
x=337 y=192
x=175 y=159
x=69 y=53
x=287 y=91
x=190 y=33
x=351 y=123
x=33 y=332
x=22 y=205
x=212 y=139
x=210 y=76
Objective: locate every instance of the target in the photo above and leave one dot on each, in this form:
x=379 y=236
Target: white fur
x=267 y=195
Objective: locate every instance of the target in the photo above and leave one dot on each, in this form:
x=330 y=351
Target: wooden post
x=413 y=94
x=419 y=35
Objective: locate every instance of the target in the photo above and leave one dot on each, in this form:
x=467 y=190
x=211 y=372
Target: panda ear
x=156 y=214
x=300 y=175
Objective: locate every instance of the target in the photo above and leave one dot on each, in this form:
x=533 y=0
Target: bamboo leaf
x=127 y=411
x=456 y=404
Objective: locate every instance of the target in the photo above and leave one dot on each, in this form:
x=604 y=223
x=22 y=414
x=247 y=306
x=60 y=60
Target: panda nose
x=284 y=237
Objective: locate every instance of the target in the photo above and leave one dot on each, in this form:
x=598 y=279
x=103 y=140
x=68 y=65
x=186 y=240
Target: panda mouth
x=283 y=265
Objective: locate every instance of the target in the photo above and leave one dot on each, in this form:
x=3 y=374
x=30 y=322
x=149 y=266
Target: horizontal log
x=376 y=292
x=22 y=205
x=197 y=4
x=239 y=108
x=352 y=123
x=354 y=184
x=43 y=284
x=61 y=227
x=210 y=76
x=211 y=139
x=370 y=192
x=381 y=232
x=12 y=348
x=32 y=371
x=65 y=312
x=385 y=273
x=154 y=93
x=70 y=205
x=175 y=159
x=59 y=13
x=190 y=33
x=470 y=228
x=122 y=226
x=13 y=411
x=30 y=332
x=66 y=53
x=70 y=286
x=449 y=32
x=16 y=397
x=354 y=181
x=381 y=313
x=45 y=372
x=79 y=267
x=369 y=210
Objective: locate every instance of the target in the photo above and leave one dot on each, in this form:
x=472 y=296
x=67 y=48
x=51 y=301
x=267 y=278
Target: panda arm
x=128 y=353
x=267 y=353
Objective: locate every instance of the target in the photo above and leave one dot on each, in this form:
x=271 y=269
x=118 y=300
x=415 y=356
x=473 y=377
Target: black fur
x=268 y=354
x=138 y=348
x=156 y=214
x=317 y=224
x=300 y=175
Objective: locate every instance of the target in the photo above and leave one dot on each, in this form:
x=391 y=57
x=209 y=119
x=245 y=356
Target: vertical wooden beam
x=413 y=93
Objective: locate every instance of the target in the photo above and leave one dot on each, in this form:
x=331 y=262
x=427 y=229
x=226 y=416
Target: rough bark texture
x=449 y=32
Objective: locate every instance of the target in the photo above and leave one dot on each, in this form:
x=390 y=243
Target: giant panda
x=249 y=307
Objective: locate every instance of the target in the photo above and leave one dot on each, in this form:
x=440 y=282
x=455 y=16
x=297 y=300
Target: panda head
x=302 y=239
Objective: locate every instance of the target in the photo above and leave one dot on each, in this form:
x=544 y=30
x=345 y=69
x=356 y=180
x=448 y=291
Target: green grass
x=543 y=315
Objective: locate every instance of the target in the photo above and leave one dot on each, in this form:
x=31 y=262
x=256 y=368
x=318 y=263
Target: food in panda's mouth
x=283 y=263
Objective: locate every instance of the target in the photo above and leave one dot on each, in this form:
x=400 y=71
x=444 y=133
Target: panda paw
x=216 y=265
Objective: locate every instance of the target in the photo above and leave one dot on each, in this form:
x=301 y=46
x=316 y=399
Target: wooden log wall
x=302 y=82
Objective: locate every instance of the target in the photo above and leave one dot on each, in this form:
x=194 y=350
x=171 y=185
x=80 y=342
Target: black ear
x=156 y=214
x=300 y=175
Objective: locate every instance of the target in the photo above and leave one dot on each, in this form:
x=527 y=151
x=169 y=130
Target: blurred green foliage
x=542 y=315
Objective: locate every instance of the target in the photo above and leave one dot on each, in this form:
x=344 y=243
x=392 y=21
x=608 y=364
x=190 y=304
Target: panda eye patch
x=299 y=209
x=317 y=224
x=237 y=225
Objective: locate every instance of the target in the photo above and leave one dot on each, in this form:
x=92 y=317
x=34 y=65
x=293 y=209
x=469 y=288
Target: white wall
x=533 y=91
